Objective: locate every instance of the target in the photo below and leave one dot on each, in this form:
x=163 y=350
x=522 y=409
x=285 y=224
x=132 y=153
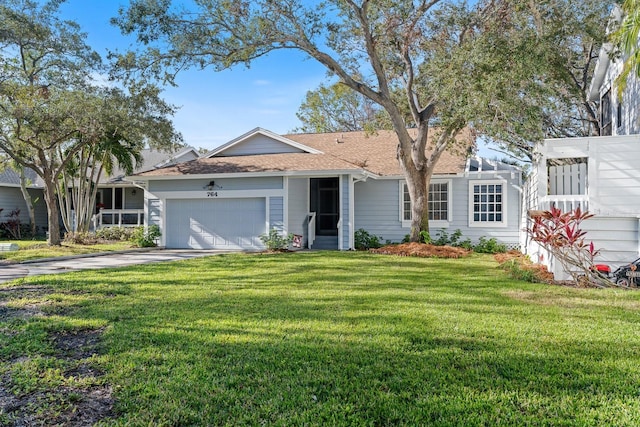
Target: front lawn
x=319 y=338
x=38 y=249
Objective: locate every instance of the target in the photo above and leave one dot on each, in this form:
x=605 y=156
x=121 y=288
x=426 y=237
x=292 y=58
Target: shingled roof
x=344 y=151
x=376 y=152
x=288 y=162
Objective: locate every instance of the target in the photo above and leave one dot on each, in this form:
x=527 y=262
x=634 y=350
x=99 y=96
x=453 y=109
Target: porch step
x=325 y=243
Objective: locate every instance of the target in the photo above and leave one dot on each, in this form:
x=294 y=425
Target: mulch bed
x=422 y=250
x=539 y=272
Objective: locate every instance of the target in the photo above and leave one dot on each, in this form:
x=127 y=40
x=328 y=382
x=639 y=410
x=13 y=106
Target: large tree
x=50 y=107
x=45 y=67
x=454 y=63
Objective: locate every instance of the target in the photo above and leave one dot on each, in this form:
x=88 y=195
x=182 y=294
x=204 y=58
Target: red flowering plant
x=560 y=234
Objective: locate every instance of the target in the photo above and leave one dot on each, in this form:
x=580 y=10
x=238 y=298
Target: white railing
x=565 y=203
x=311 y=229
x=119 y=218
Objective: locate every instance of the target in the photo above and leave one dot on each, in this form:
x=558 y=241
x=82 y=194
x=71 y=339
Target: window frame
x=406 y=223
x=619 y=119
x=504 y=207
x=606 y=114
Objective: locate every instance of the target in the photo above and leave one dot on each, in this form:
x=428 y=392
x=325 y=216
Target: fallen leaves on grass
x=422 y=250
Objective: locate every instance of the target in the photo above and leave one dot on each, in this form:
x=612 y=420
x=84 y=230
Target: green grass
x=38 y=249
x=337 y=339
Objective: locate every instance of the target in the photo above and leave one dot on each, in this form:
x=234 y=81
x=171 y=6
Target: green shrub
x=515 y=269
x=425 y=237
x=115 y=233
x=274 y=241
x=145 y=237
x=363 y=240
x=455 y=240
x=489 y=246
x=81 y=238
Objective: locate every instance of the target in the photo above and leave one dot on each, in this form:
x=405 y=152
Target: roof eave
x=320 y=172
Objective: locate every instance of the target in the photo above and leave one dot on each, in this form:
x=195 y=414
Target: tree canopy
x=445 y=65
x=338 y=108
x=50 y=106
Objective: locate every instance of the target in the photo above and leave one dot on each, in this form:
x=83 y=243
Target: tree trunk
x=418 y=169
x=53 y=213
x=418 y=184
x=28 y=201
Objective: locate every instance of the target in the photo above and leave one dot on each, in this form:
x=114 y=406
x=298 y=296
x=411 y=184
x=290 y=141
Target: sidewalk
x=97 y=261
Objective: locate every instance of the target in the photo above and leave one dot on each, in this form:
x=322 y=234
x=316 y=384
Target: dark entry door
x=324 y=202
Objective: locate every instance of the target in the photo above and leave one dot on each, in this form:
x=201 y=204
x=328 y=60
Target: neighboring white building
x=598 y=174
x=619 y=114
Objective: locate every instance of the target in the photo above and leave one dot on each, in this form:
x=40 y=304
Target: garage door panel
x=216 y=224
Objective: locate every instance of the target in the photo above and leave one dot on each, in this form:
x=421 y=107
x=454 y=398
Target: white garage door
x=216 y=223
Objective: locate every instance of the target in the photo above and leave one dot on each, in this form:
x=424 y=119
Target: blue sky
x=216 y=107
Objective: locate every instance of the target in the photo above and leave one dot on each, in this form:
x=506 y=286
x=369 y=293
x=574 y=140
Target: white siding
x=613 y=194
x=259 y=144
x=617 y=240
x=613 y=172
x=630 y=101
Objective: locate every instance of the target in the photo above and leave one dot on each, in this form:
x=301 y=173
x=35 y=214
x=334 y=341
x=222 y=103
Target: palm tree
x=626 y=39
x=79 y=184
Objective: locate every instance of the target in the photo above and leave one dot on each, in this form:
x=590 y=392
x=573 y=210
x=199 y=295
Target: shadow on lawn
x=356 y=342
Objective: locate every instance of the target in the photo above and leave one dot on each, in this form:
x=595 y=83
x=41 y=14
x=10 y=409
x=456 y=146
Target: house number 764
x=212 y=194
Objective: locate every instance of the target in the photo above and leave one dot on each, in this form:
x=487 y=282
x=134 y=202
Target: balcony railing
x=566 y=203
x=119 y=218
x=311 y=229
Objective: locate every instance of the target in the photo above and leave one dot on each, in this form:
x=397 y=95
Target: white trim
x=267 y=213
x=285 y=206
x=340 y=210
x=351 y=214
x=504 y=202
x=203 y=176
x=264 y=132
x=163 y=219
x=432 y=223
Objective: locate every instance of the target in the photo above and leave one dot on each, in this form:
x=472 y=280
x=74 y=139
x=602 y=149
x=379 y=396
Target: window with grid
x=488 y=203
x=438 y=204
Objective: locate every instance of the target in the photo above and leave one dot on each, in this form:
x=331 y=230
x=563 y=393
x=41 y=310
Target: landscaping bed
x=422 y=250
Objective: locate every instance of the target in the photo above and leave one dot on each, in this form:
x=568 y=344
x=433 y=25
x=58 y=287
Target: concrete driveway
x=96 y=261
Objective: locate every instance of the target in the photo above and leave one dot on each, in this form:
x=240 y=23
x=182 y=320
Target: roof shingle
x=344 y=151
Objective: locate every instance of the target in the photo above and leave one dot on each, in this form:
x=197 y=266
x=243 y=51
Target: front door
x=325 y=203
